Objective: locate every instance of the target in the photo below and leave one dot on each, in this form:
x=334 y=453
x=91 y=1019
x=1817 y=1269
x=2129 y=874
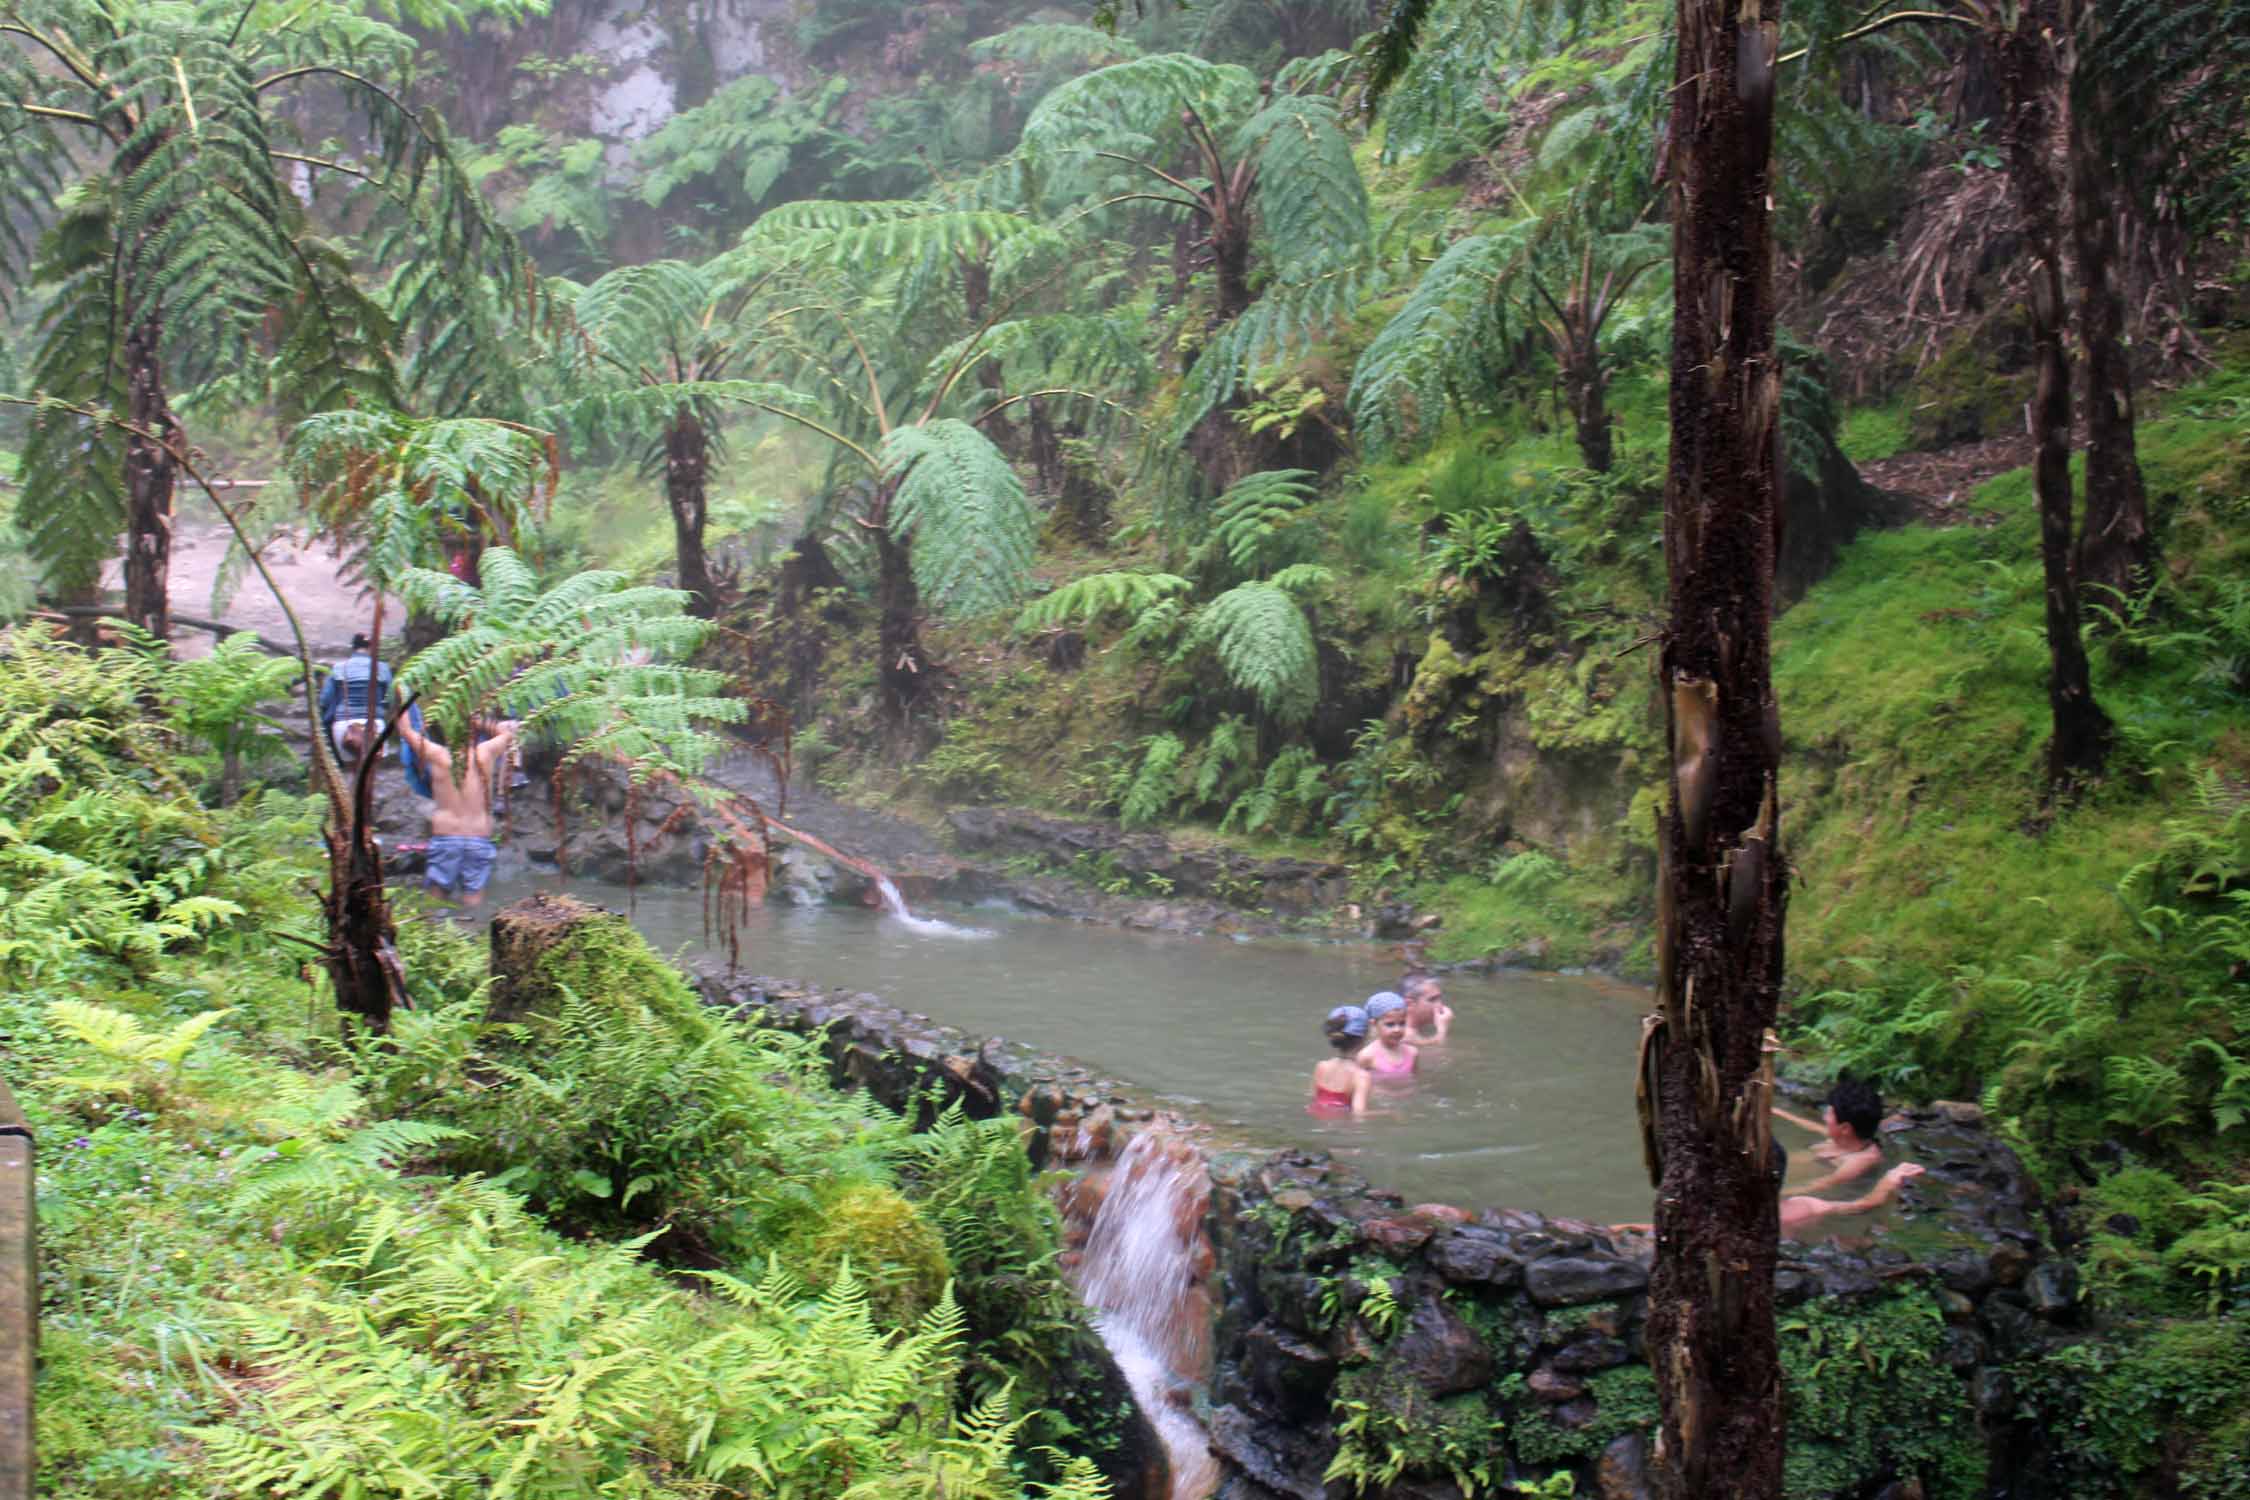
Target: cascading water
x=1138 y=1272
x=895 y=905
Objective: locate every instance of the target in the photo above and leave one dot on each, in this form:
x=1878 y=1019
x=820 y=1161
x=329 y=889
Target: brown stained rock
x=1398 y=1237
x=1622 y=1473
x=1553 y=1387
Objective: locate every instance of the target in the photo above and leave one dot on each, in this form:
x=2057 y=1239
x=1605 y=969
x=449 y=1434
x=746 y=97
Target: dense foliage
x=330 y=1230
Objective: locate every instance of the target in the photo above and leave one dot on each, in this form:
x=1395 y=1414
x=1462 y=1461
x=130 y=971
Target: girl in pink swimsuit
x=1390 y=1055
x=1340 y=1084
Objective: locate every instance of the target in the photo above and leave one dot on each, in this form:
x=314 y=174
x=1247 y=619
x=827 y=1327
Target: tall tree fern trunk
x=1708 y=1081
x=898 y=636
x=1216 y=443
x=1588 y=389
x=687 y=469
x=2116 y=552
x=2030 y=80
x=150 y=474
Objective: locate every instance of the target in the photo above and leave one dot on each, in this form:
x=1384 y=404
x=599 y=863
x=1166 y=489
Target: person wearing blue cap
x=1339 y=1083
x=1388 y=1054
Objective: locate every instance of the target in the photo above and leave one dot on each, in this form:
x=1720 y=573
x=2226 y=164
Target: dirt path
x=1940 y=483
x=330 y=606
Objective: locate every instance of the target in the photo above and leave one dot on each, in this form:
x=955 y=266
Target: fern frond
x=1098 y=595
x=1314 y=207
x=972 y=527
x=1265 y=645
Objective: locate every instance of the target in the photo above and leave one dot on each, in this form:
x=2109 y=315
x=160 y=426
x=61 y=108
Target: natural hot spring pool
x=1528 y=1105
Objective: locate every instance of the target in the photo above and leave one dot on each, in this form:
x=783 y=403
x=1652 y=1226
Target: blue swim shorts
x=458 y=863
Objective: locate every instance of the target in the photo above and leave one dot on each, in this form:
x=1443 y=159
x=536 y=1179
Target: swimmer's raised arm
x=1799 y=1120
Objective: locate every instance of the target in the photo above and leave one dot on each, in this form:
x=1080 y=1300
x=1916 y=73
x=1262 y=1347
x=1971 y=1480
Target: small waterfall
x=1139 y=1272
x=895 y=905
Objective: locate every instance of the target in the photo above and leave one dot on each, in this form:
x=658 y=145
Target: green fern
x=1265 y=645
x=1155 y=783
x=1097 y=596
x=1250 y=522
x=973 y=528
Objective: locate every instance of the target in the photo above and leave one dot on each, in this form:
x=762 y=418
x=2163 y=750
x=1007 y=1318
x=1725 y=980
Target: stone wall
x=1512 y=1342
x=1434 y=1349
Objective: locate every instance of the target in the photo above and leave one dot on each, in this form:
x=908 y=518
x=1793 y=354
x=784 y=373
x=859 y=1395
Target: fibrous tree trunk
x=1707 y=1080
x=898 y=605
x=364 y=968
x=2116 y=556
x=2030 y=75
x=150 y=475
x=687 y=469
x=1588 y=387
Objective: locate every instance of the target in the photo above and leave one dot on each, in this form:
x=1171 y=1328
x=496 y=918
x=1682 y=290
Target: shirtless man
x=1849 y=1119
x=461 y=852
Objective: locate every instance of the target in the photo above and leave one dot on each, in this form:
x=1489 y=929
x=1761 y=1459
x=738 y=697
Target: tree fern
x=973 y=529
x=186 y=246
x=1154 y=787
x=1097 y=596
x=1314 y=207
x=1265 y=646
x=1251 y=521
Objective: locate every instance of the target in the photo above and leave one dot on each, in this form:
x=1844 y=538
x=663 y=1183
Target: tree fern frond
x=1086 y=600
x=973 y=528
x=1255 y=510
x=1265 y=645
x=1314 y=206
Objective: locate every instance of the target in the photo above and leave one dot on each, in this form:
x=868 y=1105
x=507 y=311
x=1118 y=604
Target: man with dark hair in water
x=1850 y=1117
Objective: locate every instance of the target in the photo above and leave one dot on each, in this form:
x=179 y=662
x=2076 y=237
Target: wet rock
x=1424 y=1489
x=800 y=880
x=1956 y=1307
x=1847 y=1279
x=1549 y=1238
x=1576 y=1414
x=1569 y=1280
x=1295 y=1301
x=1965 y=1271
x=1792 y=1285
x=1959 y=1112
x=1398 y=1238
x=1553 y=1388
x=2010 y=1328
x=1622 y=1471
x=1961 y=1350
x=1442 y=1353
x=1993 y=1392
x=1586 y=1356
x=1901 y=1489
x=1293 y=1371
x=1474 y=1257
x=2053 y=1290
x=2008 y=1263
x=1285 y=1461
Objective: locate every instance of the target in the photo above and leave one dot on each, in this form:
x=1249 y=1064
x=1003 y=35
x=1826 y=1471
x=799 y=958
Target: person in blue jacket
x=357 y=689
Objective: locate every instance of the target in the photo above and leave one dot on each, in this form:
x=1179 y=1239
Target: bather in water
x=1340 y=1084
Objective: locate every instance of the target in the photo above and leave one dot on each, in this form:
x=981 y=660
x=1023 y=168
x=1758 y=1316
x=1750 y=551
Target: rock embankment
x=1343 y=1319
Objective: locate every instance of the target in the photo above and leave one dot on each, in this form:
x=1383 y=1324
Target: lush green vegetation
x=276 y=1257
x=1111 y=422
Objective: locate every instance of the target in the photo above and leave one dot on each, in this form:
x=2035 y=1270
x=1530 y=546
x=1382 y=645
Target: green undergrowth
x=619 y=1248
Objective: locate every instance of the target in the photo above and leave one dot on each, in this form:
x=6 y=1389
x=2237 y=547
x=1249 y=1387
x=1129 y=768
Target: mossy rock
x=1976 y=389
x=894 y=1253
x=546 y=944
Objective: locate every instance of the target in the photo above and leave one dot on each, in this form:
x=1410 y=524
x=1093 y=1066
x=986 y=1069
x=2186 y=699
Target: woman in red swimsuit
x=1339 y=1084
x=1389 y=1055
